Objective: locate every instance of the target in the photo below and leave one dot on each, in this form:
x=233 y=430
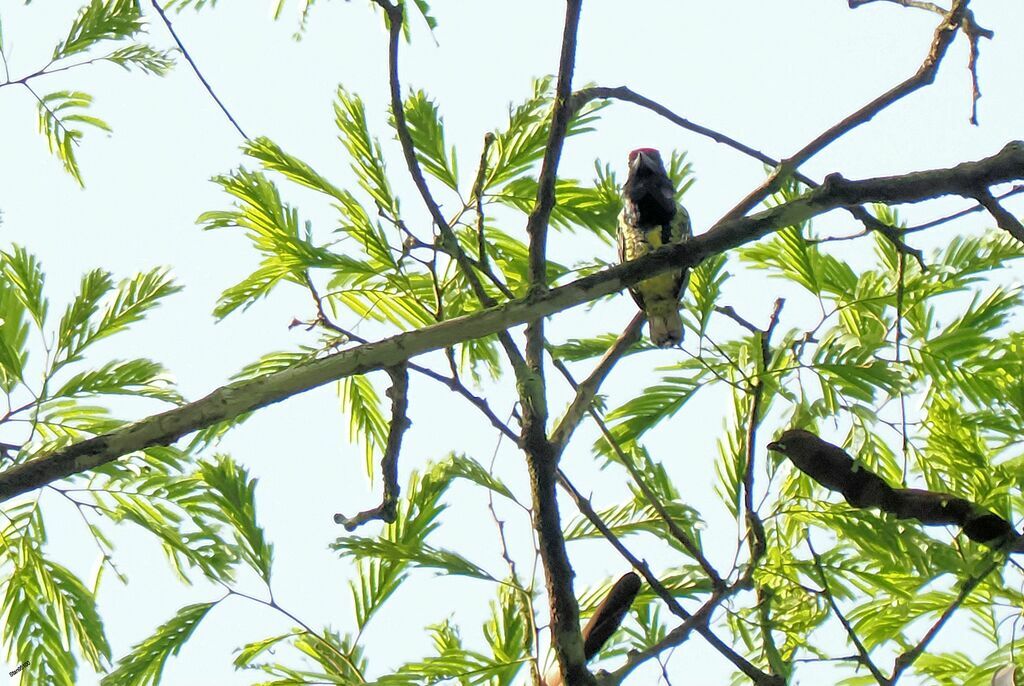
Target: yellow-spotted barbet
x=651 y=218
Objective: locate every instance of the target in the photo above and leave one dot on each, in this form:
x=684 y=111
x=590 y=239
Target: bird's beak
x=774 y=445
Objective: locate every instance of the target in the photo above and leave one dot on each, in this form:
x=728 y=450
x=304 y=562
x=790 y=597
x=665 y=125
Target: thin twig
x=195 y=68
x=453 y=382
x=1006 y=221
x=638 y=478
x=449 y=242
x=756 y=539
x=863 y=657
x=741 y=663
x=478 y=198
x=925 y=74
x=870 y=222
x=1016 y=190
x=971 y=28
x=909 y=656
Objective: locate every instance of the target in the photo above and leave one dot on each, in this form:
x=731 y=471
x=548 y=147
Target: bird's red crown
x=650 y=152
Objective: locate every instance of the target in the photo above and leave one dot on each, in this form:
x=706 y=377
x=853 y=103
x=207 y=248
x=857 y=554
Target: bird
x=833 y=468
x=651 y=218
x=605 y=621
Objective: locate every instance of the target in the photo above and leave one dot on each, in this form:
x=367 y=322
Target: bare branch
x=478 y=198
x=586 y=391
x=195 y=68
x=925 y=75
x=638 y=478
x=870 y=222
x=541 y=455
x=239 y=397
x=756 y=540
x=607 y=619
x=908 y=657
x=1016 y=190
x=399 y=394
x=450 y=243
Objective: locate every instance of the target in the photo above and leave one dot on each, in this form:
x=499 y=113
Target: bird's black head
x=795 y=441
x=648 y=196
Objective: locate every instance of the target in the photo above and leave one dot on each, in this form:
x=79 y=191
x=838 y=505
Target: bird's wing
x=622 y=237
x=681 y=231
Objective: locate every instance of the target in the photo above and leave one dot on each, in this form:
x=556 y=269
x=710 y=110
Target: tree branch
x=908 y=657
x=925 y=74
x=1006 y=221
x=870 y=222
x=586 y=391
x=863 y=657
x=399 y=394
x=652 y=498
x=195 y=68
x=541 y=455
x=741 y=663
x=756 y=541
x=395 y=14
x=239 y=397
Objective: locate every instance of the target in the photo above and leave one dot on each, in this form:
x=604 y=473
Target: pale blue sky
x=772 y=74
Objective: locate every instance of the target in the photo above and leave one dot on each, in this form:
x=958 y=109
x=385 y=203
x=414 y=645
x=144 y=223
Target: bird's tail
x=666 y=325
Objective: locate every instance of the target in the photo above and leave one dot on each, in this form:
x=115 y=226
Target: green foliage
x=63 y=115
x=45 y=608
x=917 y=372
x=100 y=20
x=235 y=494
x=427 y=130
x=60 y=113
x=145 y=663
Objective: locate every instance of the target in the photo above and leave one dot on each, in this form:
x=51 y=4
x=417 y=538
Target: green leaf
x=145 y=663
x=418 y=554
x=639 y=415
x=578 y=349
x=23 y=272
x=145 y=58
x=98 y=21
x=13 y=336
x=273 y=228
x=426 y=128
x=366 y=422
x=464 y=467
x=75 y=331
x=235 y=494
x=576 y=206
x=521 y=144
x=58 y=114
x=365 y=151
x=134 y=377
x=274 y=158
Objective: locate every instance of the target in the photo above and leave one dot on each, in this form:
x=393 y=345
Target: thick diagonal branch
x=237 y=398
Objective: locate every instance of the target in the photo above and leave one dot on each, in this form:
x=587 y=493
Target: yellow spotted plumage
x=651 y=218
